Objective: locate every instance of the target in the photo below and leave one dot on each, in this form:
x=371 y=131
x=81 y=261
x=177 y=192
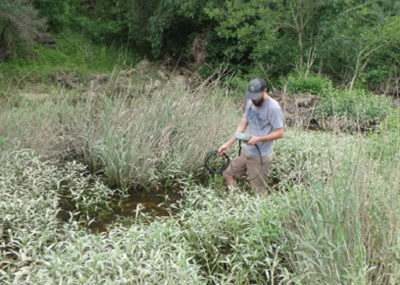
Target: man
x=263 y=117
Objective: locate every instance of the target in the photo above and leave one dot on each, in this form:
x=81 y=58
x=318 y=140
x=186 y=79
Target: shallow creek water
x=153 y=203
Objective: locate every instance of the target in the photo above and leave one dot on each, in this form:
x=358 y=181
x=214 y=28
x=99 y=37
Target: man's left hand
x=252 y=141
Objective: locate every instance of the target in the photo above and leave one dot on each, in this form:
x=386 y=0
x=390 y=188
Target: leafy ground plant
x=33 y=193
x=29 y=207
x=240 y=246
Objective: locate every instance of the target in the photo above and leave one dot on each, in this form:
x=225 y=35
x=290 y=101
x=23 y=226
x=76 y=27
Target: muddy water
x=154 y=204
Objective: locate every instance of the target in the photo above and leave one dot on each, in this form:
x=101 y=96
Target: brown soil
x=298 y=109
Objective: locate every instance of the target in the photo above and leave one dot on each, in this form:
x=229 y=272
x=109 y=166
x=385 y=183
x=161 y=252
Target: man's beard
x=258 y=104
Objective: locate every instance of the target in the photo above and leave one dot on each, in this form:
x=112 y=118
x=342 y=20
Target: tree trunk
x=355 y=71
x=4 y=44
x=300 y=37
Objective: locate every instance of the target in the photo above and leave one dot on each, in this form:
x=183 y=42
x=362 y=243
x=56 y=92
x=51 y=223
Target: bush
x=361 y=109
x=302 y=83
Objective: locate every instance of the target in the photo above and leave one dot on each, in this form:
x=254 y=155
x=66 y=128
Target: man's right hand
x=223 y=149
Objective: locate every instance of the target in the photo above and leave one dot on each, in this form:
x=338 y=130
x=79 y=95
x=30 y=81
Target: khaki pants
x=257 y=172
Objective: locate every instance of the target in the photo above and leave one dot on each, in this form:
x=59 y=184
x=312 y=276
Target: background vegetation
x=86 y=127
x=355 y=43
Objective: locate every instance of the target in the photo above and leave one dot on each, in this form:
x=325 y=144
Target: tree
x=243 y=31
x=357 y=33
x=19 y=25
x=301 y=13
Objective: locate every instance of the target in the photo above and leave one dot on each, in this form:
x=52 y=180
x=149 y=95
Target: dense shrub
x=362 y=109
x=302 y=83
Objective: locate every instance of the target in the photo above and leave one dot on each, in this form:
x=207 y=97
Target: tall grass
x=152 y=138
x=346 y=229
x=302 y=159
x=132 y=138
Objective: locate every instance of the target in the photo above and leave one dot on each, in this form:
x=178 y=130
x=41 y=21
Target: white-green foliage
x=214 y=238
x=335 y=219
x=141 y=254
x=32 y=192
x=28 y=208
x=336 y=230
x=83 y=193
x=234 y=237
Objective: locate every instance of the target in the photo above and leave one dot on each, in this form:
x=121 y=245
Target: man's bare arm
x=240 y=129
x=274 y=135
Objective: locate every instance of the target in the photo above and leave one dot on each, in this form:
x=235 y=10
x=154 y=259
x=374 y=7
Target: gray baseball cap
x=255 y=89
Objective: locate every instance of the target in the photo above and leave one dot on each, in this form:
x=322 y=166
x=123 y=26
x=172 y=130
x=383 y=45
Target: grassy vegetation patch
x=385 y=142
x=344 y=228
x=356 y=110
x=72 y=55
x=131 y=138
x=331 y=214
x=302 y=159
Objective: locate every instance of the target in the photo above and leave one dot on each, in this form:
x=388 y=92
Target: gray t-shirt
x=262 y=121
